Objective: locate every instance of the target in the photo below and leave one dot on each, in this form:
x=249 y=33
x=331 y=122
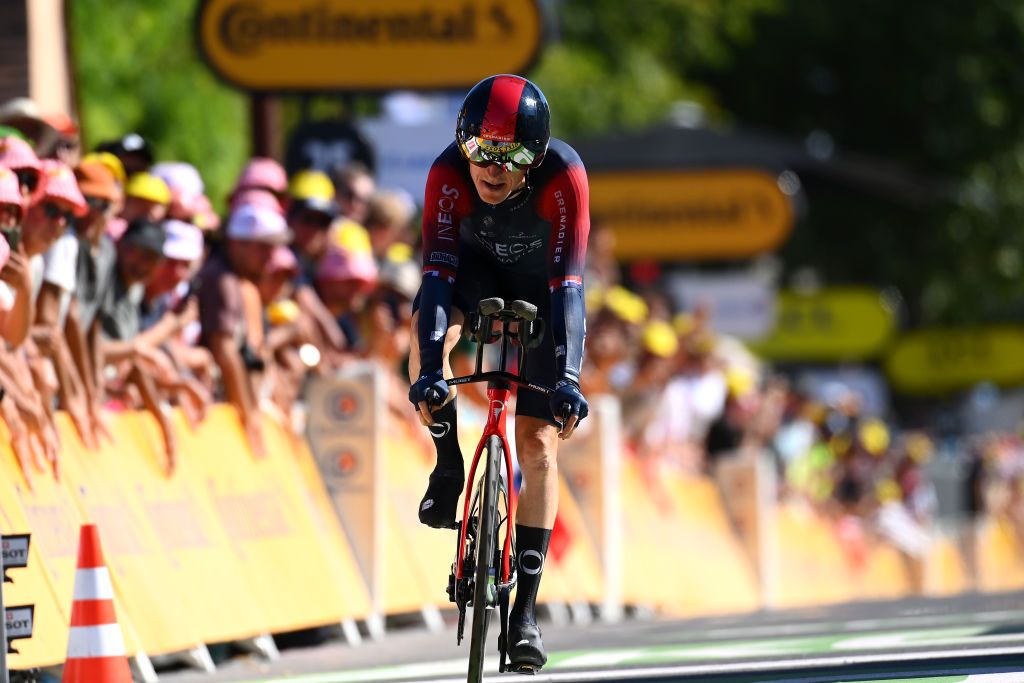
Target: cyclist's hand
x=428 y=393
x=568 y=406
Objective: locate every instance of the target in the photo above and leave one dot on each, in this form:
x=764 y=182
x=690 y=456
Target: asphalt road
x=975 y=638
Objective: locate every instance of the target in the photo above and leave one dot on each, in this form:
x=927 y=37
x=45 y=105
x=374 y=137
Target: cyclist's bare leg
x=438 y=507
x=537 y=448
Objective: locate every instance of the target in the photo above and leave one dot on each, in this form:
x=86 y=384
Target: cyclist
x=506 y=213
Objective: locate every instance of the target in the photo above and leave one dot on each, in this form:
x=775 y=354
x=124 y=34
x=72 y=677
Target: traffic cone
x=95 y=645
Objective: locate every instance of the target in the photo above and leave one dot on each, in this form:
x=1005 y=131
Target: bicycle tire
x=486 y=543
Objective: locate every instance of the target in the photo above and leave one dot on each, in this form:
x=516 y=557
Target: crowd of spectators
x=122 y=288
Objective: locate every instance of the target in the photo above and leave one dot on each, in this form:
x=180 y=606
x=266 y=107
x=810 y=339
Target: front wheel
x=485 y=575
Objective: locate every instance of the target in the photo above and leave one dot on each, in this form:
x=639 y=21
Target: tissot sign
x=309 y=45
x=734 y=213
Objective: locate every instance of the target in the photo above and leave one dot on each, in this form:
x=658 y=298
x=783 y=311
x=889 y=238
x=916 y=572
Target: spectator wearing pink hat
x=52 y=249
x=205 y=218
x=15 y=278
x=255 y=196
x=252 y=234
x=262 y=173
x=186 y=187
x=346 y=276
x=17 y=155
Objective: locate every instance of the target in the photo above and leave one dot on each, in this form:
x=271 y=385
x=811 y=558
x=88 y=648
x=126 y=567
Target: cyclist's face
x=494 y=184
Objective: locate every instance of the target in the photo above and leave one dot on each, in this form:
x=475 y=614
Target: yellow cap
x=888 y=491
x=739 y=380
x=351 y=237
x=660 y=339
x=399 y=252
x=311 y=185
x=920 y=448
x=110 y=161
x=626 y=305
x=148 y=187
x=283 y=312
x=684 y=323
x=874 y=436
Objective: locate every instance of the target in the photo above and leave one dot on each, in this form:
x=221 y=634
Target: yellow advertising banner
x=831 y=324
x=160 y=607
x=309 y=45
x=729 y=213
x=272 y=536
x=206 y=572
x=936 y=361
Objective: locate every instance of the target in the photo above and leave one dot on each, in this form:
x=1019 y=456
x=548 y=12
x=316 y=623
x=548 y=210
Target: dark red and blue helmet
x=504 y=120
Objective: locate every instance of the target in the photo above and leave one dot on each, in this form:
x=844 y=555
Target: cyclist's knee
x=536 y=444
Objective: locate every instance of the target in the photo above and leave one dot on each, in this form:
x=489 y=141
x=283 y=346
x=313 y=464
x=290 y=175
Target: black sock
x=445 y=432
x=532 y=551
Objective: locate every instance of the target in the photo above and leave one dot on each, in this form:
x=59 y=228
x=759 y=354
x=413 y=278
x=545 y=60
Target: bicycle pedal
x=525 y=669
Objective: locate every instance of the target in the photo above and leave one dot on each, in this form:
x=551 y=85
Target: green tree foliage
x=935 y=86
x=136 y=69
x=621 y=65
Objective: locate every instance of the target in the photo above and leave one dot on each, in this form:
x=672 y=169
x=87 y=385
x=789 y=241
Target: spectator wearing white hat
x=252 y=233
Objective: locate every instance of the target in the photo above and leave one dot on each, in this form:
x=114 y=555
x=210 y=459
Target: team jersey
x=540 y=232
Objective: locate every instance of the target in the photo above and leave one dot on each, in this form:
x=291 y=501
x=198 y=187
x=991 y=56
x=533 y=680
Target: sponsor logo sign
x=723 y=214
x=831 y=324
x=937 y=361
x=15 y=553
x=18 y=621
x=309 y=45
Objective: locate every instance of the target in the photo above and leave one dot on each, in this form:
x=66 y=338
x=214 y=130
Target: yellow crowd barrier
x=227 y=548
x=232 y=546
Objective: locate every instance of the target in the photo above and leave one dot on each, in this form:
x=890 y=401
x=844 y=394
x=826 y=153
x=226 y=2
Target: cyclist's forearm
x=568 y=327
x=435 y=312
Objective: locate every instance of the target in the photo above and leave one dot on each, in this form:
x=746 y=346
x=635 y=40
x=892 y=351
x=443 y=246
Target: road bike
x=484 y=572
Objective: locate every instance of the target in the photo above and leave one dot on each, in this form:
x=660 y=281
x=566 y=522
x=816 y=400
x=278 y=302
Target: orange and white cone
x=95 y=645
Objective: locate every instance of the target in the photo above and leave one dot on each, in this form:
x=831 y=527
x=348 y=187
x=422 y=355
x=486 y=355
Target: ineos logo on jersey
x=445 y=206
x=512 y=251
x=439 y=429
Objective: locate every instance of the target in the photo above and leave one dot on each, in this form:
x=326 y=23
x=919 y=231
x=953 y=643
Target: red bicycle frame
x=497 y=397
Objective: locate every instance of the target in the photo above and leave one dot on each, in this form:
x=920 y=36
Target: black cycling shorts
x=480 y=277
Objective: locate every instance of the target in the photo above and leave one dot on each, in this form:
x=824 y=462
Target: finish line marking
x=430 y=671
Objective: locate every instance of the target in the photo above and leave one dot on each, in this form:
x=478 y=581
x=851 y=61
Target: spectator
x=252 y=233
x=15 y=278
x=388 y=219
x=264 y=174
x=311 y=211
x=355 y=187
x=186 y=186
x=132 y=150
x=139 y=252
x=52 y=250
x=345 y=278
x=146 y=197
x=17 y=155
x=96 y=257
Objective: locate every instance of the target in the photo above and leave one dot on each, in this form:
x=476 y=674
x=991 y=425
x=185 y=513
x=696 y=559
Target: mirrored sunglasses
x=509 y=155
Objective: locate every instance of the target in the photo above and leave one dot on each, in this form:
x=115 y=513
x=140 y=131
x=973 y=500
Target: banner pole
x=3 y=627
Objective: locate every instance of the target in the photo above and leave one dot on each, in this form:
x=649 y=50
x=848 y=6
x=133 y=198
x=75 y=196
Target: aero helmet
x=504 y=120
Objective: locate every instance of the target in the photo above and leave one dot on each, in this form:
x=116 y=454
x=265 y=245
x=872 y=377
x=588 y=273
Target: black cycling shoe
x=437 y=509
x=525 y=648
